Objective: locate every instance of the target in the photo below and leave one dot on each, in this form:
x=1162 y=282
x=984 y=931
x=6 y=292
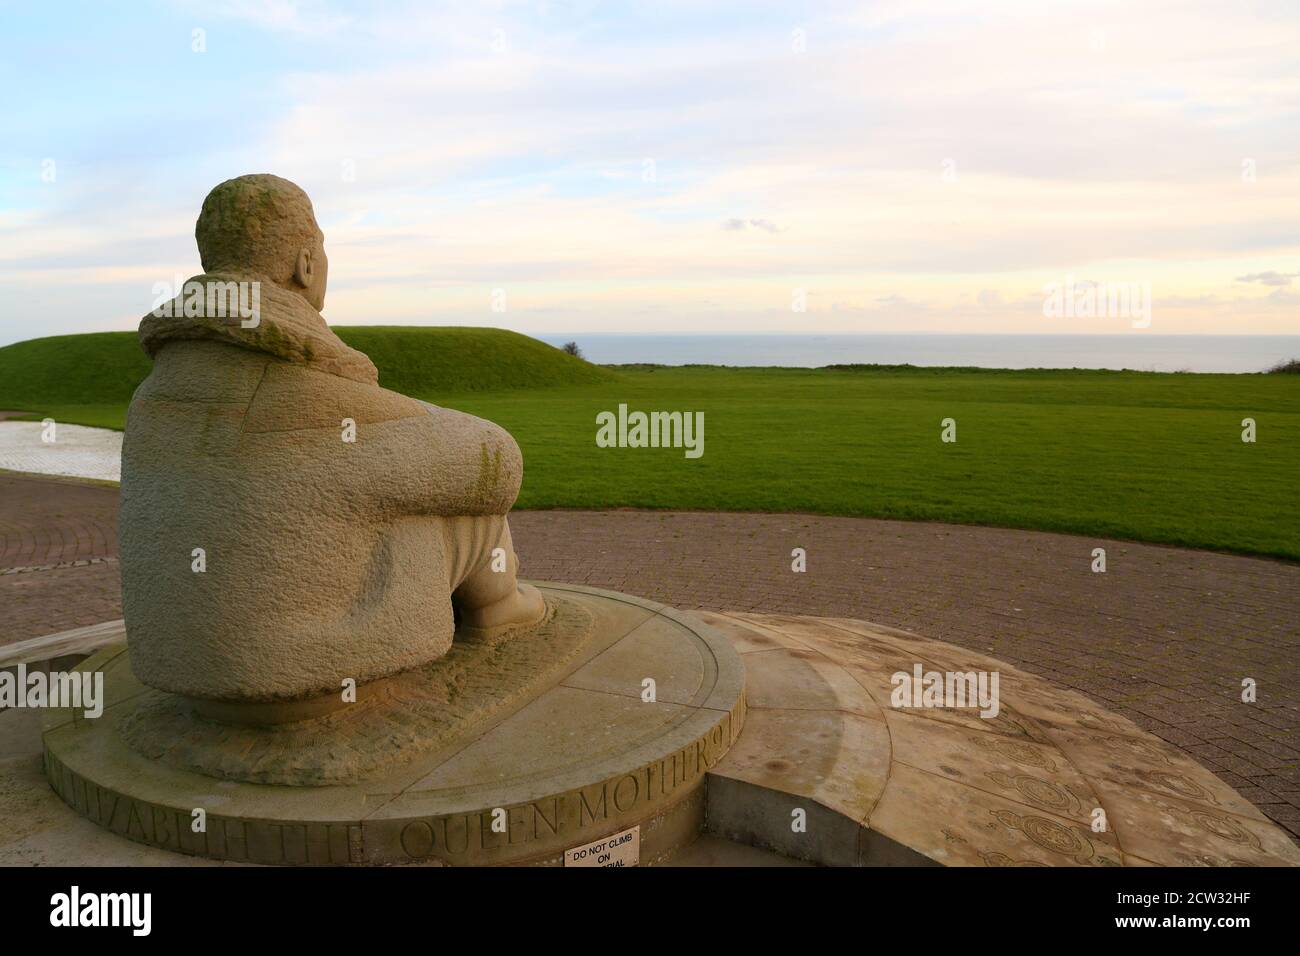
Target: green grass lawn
x=1153 y=457
x=100 y=416
x=1130 y=455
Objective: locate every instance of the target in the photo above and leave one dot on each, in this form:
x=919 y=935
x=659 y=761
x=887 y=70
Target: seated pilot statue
x=286 y=523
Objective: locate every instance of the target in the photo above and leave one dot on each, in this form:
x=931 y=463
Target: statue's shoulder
x=293 y=397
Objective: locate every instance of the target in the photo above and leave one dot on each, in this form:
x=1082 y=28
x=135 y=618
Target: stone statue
x=286 y=523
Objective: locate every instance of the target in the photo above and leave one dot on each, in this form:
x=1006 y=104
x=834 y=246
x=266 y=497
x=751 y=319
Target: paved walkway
x=1165 y=637
x=58 y=556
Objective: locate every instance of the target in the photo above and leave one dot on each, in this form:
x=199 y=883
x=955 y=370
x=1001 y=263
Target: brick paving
x=1165 y=636
x=49 y=521
x=68 y=530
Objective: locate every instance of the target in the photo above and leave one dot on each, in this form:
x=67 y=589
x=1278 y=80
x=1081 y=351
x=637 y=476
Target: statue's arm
x=449 y=463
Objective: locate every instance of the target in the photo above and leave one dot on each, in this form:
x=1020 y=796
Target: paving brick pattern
x=1164 y=637
x=46 y=521
x=58 y=556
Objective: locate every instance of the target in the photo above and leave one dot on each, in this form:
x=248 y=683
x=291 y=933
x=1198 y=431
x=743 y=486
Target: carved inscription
x=566 y=816
x=245 y=841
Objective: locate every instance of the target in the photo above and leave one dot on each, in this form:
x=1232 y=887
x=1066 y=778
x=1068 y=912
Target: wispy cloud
x=740 y=225
x=1270 y=278
x=919 y=162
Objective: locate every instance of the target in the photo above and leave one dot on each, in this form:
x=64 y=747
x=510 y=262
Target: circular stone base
x=437 y=707
x=618 y=735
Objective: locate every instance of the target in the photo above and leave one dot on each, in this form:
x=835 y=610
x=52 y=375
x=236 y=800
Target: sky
x=669 y=167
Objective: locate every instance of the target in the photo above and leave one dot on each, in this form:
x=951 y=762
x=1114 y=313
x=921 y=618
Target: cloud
x=740 y=225
x=1270 y=277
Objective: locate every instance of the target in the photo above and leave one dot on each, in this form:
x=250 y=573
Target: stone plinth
x=588 y=752
x=877 y=785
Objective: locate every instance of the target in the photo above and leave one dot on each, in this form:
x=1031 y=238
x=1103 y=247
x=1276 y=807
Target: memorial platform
x=763 y=739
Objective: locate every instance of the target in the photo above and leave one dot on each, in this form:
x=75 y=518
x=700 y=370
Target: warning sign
x=621 y=849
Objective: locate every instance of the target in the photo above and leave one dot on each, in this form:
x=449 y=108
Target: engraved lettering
x=621 y=792
x=585 y=812
x=417 y=839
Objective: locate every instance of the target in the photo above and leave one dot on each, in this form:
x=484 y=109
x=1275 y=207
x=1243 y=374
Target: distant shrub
x=1291 y=367
x=571 y=348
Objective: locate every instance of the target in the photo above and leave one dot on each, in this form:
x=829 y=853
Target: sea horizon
x=1135 y=352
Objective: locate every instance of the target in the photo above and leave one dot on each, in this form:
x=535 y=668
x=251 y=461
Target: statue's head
x=264 y=225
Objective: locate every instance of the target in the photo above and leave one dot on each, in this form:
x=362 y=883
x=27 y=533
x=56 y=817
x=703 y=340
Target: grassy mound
x=104 y=368
x=101 y=368
x=437 y=360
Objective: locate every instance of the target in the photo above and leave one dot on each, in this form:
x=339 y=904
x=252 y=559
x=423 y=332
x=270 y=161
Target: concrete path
x=61 y=449
x=1164 y=637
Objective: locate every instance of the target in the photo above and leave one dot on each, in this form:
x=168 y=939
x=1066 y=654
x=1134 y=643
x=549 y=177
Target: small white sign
x=621 y=849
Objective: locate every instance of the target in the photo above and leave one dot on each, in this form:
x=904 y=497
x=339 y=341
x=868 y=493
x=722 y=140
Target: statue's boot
x=524 y=606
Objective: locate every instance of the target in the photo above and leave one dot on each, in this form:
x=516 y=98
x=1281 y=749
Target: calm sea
x=1158 y=353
